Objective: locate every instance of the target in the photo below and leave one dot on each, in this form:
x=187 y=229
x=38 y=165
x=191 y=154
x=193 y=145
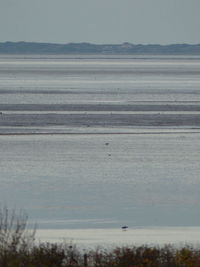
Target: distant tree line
x=88 y=48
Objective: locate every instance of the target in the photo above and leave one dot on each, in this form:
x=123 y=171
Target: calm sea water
x=145 y=177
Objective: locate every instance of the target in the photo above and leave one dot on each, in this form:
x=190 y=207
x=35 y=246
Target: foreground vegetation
x=53 y=255
x=18 y=249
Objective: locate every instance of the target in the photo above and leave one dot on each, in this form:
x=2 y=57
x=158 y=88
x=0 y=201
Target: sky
x=100 y=21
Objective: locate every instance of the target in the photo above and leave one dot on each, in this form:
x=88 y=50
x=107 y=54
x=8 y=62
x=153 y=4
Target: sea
x=91 y=143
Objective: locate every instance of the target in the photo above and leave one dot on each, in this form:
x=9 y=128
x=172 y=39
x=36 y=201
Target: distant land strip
x=89 y=48
x=81 y=108
x=97 y=133
x=100 y=120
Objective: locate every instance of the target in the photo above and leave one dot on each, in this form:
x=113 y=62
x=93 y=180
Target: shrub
x=14 y=234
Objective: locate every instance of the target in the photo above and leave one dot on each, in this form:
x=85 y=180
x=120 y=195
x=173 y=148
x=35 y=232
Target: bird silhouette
x=124 y=227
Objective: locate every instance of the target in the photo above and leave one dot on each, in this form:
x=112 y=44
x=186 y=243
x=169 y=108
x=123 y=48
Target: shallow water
x=35 y=79
x=109 y=238
x=103 y=180
x=89 y=143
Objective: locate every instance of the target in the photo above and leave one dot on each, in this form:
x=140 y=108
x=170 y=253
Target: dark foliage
x=61 y=255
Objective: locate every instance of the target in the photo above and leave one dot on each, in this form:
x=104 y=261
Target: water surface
x=97 y=143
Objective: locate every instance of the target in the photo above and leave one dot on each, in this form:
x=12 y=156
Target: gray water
x=94 y=142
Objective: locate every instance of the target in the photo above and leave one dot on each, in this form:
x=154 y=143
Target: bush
x=14 y=235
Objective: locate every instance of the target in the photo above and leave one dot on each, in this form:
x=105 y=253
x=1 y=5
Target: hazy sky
x=100 y=21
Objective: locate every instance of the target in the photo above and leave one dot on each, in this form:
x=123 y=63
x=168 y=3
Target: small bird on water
x=124 y=227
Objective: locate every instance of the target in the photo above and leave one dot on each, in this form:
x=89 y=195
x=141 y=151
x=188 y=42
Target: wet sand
x=48 y=118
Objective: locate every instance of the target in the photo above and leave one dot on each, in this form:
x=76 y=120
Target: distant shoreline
x=181 y=131
x=101 y=49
